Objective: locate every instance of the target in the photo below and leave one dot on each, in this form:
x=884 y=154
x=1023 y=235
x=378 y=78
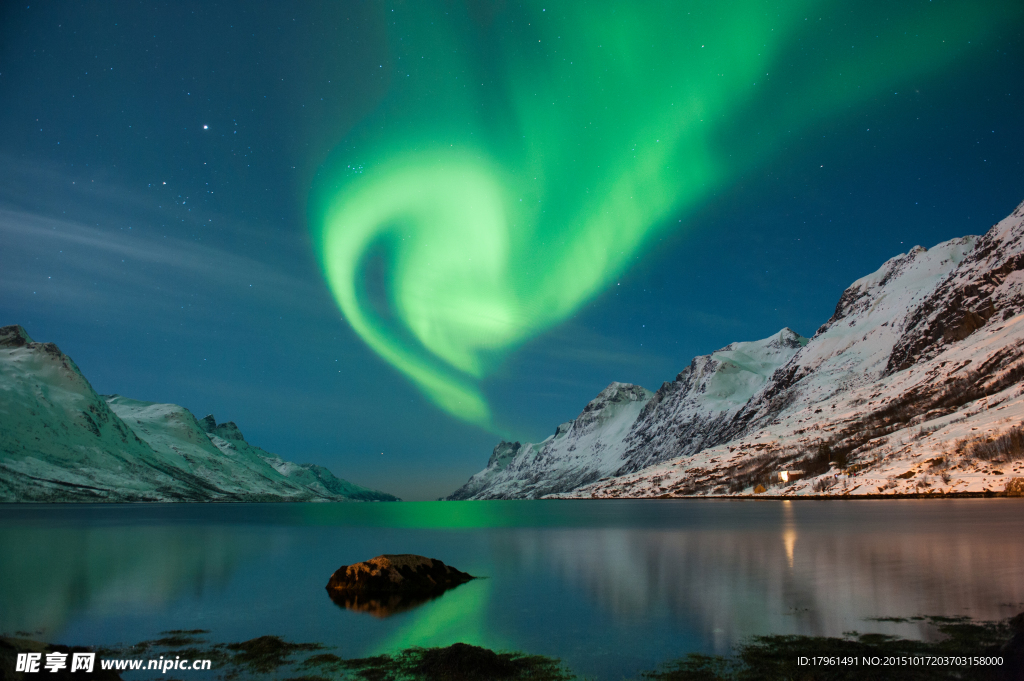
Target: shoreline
x=661 y=497
x=992 y=649
x=821 y=497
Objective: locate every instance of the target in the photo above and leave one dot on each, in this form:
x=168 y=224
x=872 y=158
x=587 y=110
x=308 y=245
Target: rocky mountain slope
x=627 y=428
x=913 y=386
x=61 y=441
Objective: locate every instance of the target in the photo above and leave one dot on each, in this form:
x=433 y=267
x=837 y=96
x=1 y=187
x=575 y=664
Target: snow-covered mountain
x=914 y=385
x=61 y=441
x=579 y=452
x=627 y=428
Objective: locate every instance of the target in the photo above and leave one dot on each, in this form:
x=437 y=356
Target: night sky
x=383 y=236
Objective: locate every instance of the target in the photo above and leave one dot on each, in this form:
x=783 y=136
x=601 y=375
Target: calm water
x=610 y=587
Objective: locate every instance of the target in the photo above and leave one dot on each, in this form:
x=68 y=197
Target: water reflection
x=788 y=531
x=381 y=606
x=636 y=583
x=49 y=573
x=733 y=582
x=461 y=615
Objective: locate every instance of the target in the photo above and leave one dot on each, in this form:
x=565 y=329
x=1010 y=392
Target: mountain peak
x=227 y=430
x=987 y=280
x=620 y=392
x=609 y=401
x=787 y=338
x=14 y=336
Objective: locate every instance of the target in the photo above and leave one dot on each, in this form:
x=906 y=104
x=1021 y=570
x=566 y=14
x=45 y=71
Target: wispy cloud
x=34 y=235
x=64 y=265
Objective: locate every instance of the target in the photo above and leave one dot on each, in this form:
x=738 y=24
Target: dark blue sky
x=173 y=262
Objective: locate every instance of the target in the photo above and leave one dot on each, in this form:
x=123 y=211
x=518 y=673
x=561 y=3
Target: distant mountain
x=61 y=441
x=913 y=386
x=627 y=428
x=579 y=452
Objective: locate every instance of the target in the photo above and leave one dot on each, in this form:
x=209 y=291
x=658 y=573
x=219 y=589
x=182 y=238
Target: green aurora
x=523 y=158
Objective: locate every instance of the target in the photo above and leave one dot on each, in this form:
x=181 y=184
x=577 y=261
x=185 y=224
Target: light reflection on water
x=611 y=587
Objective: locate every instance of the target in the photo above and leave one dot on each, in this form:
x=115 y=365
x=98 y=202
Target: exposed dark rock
x=459 y=662
x=226 y=431
x=388 y=584
x=464 y=661
x=981 y=286
x=504 y=452
x=13 y=336
x=266 y=653
x=1015 y=487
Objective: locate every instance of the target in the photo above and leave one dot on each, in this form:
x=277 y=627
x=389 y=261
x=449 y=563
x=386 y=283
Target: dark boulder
x=389 y=584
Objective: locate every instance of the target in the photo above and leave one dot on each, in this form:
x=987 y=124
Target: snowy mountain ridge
x=61 y=441
x=619 y=430
x=912 y=386
x=580 y=451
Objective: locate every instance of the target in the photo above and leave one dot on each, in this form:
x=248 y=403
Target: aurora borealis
x=379 y=236
x=526 y=158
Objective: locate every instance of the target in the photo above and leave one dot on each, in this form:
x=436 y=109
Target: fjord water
x=610 y=587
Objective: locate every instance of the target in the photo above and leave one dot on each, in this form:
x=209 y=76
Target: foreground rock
x=389 y=584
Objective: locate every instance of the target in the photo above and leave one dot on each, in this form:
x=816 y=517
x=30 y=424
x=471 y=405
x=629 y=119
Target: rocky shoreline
x=997 y=649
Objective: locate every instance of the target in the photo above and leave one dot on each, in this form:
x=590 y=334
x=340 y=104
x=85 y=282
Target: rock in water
x=399 y=573
x=389 y=584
